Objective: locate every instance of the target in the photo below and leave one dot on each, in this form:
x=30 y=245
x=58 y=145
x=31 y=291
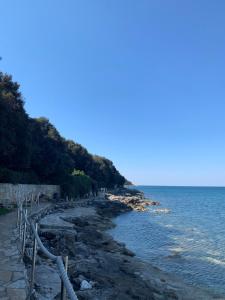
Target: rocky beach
x=100 y=267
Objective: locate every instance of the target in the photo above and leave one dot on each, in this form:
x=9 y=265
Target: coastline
x=109 y=269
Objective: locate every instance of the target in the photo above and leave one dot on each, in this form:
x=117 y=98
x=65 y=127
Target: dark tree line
x=33 y=151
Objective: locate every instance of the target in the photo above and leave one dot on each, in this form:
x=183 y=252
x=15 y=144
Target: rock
x=5 y=276
x=16 y=294
x=85 y=285
x=158 y=297
x=154 y=203
x=77 y=281
x=134 y=200
x=47 y=281
x=128 y=252
x=19 y=284
x=82 y=249
x=81 y=278
x=55 y=221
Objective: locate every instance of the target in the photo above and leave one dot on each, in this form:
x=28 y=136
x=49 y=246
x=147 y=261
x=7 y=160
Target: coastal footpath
x=100 y=267
x=13 y=274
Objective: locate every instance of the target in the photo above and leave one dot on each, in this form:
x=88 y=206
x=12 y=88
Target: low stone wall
x=8 y=191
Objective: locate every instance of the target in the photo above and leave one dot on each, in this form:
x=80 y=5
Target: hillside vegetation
x=33 y=151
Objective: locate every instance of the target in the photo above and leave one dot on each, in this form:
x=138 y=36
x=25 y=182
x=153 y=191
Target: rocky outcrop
x=132 y=199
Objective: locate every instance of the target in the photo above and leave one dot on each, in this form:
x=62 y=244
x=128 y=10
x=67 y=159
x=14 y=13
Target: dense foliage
x=33 y=151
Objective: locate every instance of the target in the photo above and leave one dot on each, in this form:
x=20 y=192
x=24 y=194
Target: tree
x=33 y=151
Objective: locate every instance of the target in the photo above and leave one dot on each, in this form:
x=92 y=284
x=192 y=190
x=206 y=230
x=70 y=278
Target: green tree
x=33 y=151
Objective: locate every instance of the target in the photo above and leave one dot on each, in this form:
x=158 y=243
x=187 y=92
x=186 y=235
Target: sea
x=187 y=239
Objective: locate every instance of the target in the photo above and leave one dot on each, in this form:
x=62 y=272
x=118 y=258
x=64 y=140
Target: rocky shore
x=133 y=199
x=100 y=267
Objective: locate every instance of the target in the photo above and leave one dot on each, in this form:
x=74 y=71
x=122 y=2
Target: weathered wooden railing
x=26 y=228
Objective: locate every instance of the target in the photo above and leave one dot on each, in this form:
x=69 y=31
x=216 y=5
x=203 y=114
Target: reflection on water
x=190 y=240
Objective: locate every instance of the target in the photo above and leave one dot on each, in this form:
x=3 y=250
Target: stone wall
x=9 y=191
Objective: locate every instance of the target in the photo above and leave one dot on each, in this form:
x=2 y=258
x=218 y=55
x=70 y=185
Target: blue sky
x=140 y=82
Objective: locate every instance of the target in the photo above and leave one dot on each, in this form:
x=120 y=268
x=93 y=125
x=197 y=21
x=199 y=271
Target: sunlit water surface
x=189 y=241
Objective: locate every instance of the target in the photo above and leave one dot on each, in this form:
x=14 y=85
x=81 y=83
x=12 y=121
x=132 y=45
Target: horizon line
x=159 y=185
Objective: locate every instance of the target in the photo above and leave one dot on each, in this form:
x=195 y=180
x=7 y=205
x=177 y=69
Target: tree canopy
x=33 y=151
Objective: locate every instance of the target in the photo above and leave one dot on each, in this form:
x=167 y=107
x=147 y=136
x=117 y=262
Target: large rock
x=47 y=282
x=55 y=221
x=85 y=285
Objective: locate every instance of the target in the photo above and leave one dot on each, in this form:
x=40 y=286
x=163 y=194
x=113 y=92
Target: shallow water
x=189 y=241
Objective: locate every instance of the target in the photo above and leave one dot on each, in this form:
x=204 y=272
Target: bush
x=78 y=184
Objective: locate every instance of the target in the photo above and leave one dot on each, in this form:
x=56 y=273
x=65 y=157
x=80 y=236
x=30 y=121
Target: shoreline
x=106 y=266
x=194 y=292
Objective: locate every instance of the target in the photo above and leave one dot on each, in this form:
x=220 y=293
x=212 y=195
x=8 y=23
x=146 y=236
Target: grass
x=3 y=211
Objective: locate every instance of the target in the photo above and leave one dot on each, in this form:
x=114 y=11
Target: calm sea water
x=189 y=241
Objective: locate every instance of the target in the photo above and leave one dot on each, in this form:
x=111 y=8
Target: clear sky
x=140 y=82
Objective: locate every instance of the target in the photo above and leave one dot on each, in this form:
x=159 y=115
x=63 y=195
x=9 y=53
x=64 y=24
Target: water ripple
x=189 y=241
